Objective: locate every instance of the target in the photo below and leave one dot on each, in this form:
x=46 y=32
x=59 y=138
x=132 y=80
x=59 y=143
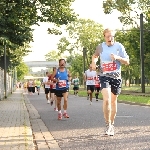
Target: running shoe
x=65 y=115
x=59 y=116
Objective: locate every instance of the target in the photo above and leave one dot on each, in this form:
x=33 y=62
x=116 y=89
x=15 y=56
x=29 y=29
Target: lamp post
x=84 y=54
x=5 y=72
x=142 y=53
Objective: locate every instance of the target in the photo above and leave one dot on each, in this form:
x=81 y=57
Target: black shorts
x=52 y=90
x=33 y=89
x=97 y=89
x=30 y=89
x=114 y=84
x=91 y=88
x=47 y=90
x=75 y=88
x=59 y=93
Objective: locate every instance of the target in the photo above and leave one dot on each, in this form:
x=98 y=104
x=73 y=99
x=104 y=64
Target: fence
x=10 y=86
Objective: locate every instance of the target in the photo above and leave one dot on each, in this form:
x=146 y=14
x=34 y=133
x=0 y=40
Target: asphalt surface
x=84 y=130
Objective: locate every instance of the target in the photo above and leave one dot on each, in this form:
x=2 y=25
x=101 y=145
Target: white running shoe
x=109 y=130
x=48 y=102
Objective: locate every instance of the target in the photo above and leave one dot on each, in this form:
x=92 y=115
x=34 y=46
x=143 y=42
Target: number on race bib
x=109 y=67
x=89 y=78
x=96 y=82
x=62 y=83
x=54 y=86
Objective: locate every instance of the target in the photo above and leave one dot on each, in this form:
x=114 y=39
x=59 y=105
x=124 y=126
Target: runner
x=61 y=76
x=97 y=87
x=25 y=86
x=33 y=86
x=75 y=82
x=112 y=54
x=30 y=86
x=90 y=82
x=38 y=86
x=36 y=90
x=47 y=87
x=53 y=91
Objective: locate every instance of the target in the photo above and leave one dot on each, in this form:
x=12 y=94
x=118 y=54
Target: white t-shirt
x=90 y=75
x=45 y=79
x=30 y=83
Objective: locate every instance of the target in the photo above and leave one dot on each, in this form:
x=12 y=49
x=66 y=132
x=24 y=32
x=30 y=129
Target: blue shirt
x=63 y=80
x=105 y=52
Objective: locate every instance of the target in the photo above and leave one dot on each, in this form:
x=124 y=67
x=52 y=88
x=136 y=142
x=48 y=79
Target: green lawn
x=134 y=88
x=122 y=97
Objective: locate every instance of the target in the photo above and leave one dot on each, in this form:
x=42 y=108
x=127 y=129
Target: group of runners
x=32 y=86
x=105 y=78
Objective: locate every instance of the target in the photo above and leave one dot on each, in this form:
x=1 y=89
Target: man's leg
x=59 y=108
x=96 y=93
x=106 y=93
x=65 y=95
x=52 y=98
x=55 y=99
x=74 y=90
x=92 y=87
x=77 y=91
x=47 y=93
x=88 y=91
x=113 y=107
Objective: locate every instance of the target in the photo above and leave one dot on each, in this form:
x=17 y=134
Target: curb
x=42 y=137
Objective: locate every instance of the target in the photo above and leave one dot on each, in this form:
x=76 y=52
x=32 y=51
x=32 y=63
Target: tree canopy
x=17 y=18
x=129 y=10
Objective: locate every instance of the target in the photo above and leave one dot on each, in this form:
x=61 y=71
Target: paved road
x=85 y=127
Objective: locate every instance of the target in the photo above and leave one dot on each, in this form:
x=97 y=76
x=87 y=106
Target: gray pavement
x=29 y=123
x=15 y=127
x=85 y=127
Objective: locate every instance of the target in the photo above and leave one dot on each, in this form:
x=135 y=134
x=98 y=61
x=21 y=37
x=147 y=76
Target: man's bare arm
x=53 y=76
x=69 y=76
x=95 y=56
x=84 y=76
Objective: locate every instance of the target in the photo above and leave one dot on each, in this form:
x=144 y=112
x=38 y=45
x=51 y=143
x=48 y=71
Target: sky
x=87 y=9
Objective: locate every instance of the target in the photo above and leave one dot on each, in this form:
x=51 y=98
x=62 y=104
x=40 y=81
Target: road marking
x=124 y=116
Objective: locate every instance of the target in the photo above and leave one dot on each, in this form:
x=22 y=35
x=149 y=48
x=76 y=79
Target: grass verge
x=126 y=98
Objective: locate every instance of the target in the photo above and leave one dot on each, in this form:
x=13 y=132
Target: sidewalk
x=15 y=127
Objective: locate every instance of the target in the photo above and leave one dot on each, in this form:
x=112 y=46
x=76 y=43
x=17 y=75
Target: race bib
x=62 y=83
x=109 y=67
x=54 y=86
x=89 y=78
x=97 y=82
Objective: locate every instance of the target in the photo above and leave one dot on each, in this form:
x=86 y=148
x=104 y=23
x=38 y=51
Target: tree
x=82 y=33
x=22 y=70
x=129 y=10
x=52 y=56
x=16 y=21
x=76 y=63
